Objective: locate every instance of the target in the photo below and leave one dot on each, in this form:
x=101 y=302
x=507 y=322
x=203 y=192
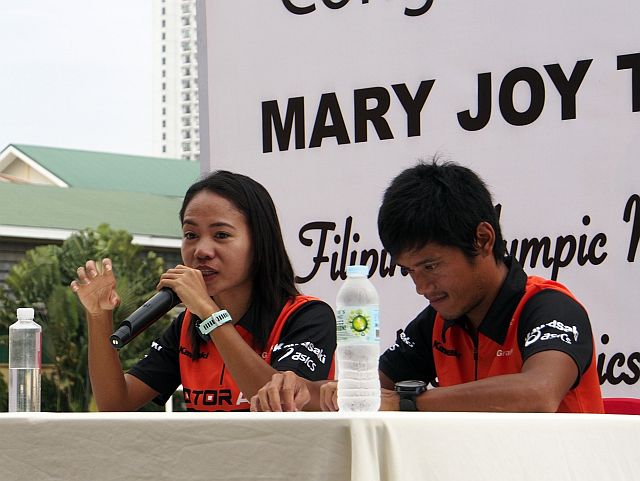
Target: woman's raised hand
x=96 y=287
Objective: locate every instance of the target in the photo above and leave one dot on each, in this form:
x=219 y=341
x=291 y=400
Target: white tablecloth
x=319 y=446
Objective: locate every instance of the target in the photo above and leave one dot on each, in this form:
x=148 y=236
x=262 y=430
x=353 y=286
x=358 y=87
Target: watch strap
x=214 y=321
x=408 y=403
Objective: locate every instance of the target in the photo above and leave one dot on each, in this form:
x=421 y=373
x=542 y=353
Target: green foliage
x=41 y=280
x=4 y=395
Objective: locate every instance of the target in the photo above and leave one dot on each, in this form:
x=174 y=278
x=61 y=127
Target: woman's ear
x=485 y=239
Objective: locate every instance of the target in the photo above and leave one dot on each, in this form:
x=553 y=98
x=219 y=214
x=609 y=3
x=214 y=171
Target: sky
x=76 y=74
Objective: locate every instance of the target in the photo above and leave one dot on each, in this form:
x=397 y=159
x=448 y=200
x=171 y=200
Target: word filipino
x=338 y=260
x=372 y=104
x=296 y=6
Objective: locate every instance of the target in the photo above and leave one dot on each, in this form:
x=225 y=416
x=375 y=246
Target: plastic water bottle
x=25 y=356
x=358 y=333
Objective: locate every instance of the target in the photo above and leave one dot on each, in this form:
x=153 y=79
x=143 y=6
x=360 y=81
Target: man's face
x=453 y=284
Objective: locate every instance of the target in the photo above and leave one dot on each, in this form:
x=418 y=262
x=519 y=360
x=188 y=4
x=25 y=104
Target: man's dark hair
x=273 y=278
x=437 y=202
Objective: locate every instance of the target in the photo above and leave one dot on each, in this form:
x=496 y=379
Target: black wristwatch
x=408 y=391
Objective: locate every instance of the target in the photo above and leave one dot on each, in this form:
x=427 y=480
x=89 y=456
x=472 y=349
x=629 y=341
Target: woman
x=237 y=279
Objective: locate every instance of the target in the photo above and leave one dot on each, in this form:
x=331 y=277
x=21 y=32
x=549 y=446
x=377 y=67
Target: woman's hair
x=437 y=202
x=271 y=270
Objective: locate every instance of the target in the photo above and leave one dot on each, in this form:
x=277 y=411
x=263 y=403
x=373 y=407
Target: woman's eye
x=189 y=235
x=222 y=235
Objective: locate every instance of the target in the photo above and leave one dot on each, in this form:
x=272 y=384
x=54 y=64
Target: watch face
x=411 y=386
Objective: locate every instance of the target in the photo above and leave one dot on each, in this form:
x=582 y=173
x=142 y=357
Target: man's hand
x=284 y=392
x=96 y=287
x=389 y=400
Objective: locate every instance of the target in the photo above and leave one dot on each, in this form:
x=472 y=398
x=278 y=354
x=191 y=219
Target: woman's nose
x=204 y=250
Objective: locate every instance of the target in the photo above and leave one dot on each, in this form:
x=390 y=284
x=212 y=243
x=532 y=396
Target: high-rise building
x=175 y=80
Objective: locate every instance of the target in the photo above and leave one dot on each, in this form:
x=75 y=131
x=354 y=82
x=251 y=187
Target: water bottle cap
x=25 y=313
x=358 y=271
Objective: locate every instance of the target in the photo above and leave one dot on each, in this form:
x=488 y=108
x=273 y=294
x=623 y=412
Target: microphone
x=148 y=313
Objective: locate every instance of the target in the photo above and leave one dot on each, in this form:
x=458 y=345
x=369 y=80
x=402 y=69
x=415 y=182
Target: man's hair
x=437 y=202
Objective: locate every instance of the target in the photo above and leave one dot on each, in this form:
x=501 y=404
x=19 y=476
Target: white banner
x=325 y=101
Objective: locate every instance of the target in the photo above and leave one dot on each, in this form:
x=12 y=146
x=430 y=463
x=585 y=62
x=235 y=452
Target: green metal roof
x=37 y=206
x=107 y=171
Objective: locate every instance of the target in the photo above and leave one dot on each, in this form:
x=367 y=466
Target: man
x=493 y=338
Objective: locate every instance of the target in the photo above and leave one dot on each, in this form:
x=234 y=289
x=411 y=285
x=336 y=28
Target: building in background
x=176 y=131
x=47 y=193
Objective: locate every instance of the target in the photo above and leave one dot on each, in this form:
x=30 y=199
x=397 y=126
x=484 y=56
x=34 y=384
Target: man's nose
x=422 y=284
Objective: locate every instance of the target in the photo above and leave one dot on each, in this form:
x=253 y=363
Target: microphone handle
x=143 y=317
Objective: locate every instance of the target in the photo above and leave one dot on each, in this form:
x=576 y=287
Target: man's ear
x=485 y=239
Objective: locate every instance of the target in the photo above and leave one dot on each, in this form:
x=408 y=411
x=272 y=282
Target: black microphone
x=148 y=313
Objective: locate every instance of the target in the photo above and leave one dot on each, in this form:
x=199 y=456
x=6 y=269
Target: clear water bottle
x=25 y=356
x=358 y=333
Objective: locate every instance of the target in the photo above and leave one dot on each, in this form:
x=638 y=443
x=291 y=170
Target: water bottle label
x=357 y=323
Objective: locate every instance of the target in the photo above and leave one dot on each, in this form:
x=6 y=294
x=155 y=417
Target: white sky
x=76 y=74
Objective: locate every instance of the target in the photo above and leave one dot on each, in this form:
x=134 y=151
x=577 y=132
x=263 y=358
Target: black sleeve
x=551 y=320
x=308 y=342
x=160 y=368
x=411 y=356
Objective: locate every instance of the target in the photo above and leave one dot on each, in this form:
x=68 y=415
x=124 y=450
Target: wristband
x=212 y=322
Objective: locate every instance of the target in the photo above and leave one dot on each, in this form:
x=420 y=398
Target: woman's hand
x=190 y=287
x=329 y=396
x=96 y=287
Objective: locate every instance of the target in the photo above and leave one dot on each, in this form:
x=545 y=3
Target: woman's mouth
x=207 y=273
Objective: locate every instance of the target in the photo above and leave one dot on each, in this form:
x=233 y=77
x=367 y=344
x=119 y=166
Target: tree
x=41 y=280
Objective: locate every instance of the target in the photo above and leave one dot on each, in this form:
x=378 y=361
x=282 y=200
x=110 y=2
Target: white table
x=318 y=446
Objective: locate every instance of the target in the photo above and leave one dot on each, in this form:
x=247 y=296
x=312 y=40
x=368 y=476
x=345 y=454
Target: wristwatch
x=408 y=391
x=212 y=322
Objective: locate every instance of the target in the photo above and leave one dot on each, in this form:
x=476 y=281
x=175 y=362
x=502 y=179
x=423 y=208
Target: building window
x=164 y=86
x=164 y=136
x=164 y=124
x=164 y=149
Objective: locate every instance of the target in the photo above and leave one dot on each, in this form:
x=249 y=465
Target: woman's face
x=216 y=240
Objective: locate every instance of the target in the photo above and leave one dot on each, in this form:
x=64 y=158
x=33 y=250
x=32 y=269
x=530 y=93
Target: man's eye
x=189 y=235
x=430 y=267
x=404 y=271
